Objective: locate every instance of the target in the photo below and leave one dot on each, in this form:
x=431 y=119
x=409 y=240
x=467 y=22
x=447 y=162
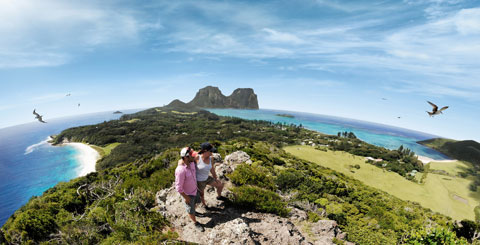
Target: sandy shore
x=426 y=160
x=87 y=158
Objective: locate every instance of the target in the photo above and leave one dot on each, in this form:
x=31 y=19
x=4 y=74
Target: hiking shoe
x=222 y=198
x=207 y=208
x=199 y=227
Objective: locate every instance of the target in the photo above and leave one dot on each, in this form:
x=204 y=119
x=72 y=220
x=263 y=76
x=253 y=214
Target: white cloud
x=48 y=33
x=282 y=37
x=467 y=21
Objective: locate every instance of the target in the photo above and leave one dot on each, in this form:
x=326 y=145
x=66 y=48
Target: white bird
x=435 y=110
x=38 y=117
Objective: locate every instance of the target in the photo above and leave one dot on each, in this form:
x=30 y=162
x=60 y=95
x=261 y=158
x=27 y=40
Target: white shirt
x=203 y=169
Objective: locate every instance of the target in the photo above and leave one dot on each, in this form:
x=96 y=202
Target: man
x=186 y=183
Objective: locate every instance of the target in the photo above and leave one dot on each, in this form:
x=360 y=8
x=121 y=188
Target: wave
x=31 y=148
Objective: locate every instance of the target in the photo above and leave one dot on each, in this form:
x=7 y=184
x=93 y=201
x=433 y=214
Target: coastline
x=86 y=156
x=426 y=160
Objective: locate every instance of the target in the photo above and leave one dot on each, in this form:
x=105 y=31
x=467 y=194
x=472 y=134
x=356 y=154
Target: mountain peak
x=212 y=97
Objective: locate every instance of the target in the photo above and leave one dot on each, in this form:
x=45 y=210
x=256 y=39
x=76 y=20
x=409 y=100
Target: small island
x=285 y=115
x=118 y=112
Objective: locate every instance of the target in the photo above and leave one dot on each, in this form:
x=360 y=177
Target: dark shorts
x=202 y=184
x=193 y=200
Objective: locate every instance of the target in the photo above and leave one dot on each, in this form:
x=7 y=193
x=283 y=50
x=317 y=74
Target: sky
x=368 y=60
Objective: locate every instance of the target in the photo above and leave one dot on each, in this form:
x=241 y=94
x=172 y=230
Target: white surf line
x=33 y=147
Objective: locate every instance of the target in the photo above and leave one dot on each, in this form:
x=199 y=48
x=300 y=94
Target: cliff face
x=212 y=97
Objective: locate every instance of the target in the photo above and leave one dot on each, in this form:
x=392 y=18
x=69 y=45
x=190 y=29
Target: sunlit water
x=29 y=165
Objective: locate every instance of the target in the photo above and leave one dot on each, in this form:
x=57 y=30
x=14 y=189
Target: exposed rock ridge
x=212 y=97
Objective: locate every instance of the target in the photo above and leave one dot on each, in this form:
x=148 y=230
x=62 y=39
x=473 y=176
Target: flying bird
x=78 y=104
x=68 y=94
x=384 y=99
x=435 y=110
x=38 y=117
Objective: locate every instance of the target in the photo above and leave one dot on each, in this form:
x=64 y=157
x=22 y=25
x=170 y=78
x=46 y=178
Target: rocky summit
x=225 y=224
x=212 y=97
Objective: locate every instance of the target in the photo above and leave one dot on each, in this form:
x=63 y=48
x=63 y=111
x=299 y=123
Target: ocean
x=29 y=165
x=377 y=134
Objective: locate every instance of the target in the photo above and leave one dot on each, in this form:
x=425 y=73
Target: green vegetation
x=467 y=150
x=185 y=113
x=111 y=206
x=105 y=151
x=116 y=204
x=252 y=175
x=132 y=120
x=156 y=132
x=259 y=199
x=402 y=161
x=434 y=236
x=367 y=215
x=447 y=194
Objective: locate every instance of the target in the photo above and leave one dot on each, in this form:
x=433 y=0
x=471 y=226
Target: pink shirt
x=186 y=180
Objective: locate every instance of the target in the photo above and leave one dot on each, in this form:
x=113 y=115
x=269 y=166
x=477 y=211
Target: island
x=285 y=115
x=118 y=112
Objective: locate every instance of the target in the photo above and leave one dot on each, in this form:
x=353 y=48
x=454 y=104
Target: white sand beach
x=426 y=160
x=87 y=157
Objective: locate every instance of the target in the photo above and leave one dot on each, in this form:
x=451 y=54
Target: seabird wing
x=35 y=113
x=435 y=107
x=444 y=108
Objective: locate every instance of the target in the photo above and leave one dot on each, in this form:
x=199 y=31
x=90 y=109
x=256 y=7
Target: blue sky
x=322 y=56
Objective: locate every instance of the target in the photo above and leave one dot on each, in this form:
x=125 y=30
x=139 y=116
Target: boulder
x=233 y=232
x=238 y=157
x=231 y=161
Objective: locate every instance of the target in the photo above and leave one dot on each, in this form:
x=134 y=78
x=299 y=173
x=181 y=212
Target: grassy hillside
x=467 y=150
x=446 y=194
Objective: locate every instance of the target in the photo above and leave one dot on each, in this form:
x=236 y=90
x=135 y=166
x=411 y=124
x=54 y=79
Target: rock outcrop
x=226 y=224
x=212 y=97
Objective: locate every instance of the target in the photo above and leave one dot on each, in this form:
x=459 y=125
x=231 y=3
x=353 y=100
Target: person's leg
x=192 y=217
x=201 y=189
x=219 y=186
x=191 y=208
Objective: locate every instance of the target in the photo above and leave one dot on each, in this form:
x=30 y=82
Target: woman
x=204 y=167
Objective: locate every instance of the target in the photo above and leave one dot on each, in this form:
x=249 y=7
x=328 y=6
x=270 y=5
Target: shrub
x=259 y=199
x=466 y=229
x=313 y=217
x=35 y=224
x=434 y=236
x=289 y=179
x=246 y=174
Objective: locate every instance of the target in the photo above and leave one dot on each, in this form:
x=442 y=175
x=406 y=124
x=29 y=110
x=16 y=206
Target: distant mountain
x=212 y=97
x=466 y=150
x=178 y=104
